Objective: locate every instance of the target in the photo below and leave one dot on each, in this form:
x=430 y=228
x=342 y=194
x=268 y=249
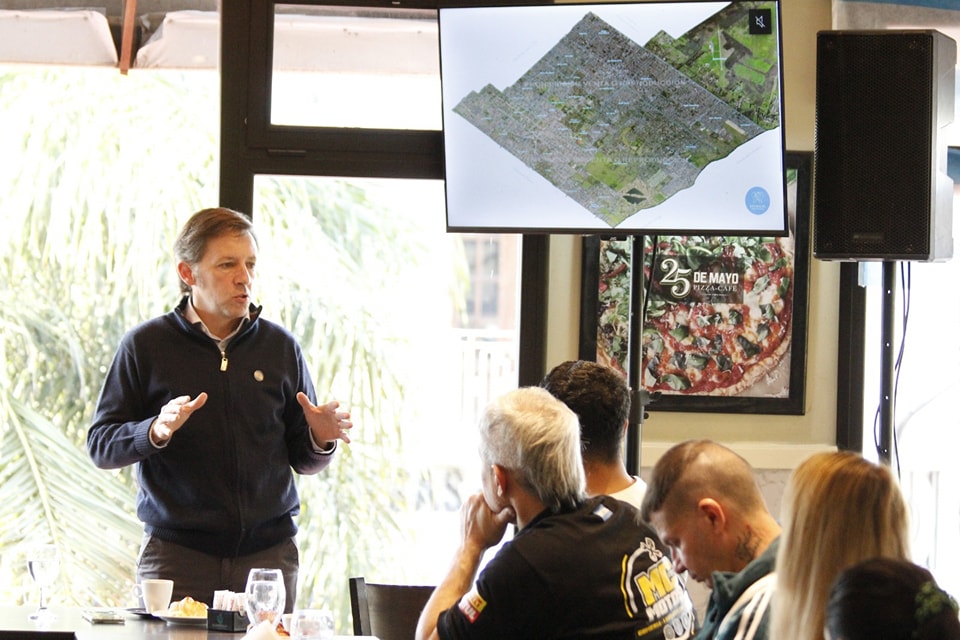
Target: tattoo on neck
x=747 y=546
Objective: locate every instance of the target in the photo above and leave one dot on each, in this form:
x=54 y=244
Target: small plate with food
x=186 y=611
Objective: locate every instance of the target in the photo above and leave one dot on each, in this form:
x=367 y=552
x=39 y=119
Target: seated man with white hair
x=577 y=567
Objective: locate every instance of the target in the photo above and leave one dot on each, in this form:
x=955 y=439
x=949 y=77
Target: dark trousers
x=198 y=575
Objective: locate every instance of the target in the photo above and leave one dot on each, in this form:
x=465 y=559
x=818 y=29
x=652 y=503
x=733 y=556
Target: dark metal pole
x=885 y=441
x=635 y=341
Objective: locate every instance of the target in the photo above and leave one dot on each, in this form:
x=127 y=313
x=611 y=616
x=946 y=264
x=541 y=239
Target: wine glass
x=266 y=596
x=311 y=624
x=43 y=563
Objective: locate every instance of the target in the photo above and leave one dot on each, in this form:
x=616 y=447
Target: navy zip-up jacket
x=224 y=483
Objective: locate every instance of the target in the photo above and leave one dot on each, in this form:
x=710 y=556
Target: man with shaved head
x=705 y=504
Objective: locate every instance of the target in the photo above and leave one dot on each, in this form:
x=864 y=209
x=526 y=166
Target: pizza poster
x=724 y=316
x=718 y=318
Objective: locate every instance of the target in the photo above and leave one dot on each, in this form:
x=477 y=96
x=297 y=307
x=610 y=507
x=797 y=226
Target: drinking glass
x=43 y=563
x=311 y=624
x=266 y=596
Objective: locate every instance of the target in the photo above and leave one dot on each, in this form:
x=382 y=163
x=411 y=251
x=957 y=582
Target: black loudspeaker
x=881 y=189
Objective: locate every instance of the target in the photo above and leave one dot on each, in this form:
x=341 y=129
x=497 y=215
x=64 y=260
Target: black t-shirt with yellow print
x=596 y=571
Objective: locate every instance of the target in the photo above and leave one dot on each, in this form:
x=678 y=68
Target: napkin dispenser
x=231 y=621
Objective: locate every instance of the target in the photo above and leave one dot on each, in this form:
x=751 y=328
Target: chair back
x=387 y=611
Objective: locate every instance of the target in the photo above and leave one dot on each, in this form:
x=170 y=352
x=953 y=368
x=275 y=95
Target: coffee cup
x=155 y=594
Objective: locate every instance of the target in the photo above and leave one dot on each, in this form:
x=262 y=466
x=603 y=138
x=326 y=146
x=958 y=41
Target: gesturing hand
x=326 y=423
x=173 y=415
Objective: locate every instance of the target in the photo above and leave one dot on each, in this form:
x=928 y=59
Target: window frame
x=250 y=145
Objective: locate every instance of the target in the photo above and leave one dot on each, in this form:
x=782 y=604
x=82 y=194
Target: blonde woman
x=838 y=509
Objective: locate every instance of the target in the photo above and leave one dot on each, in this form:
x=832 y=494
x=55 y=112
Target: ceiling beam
x=113 y=8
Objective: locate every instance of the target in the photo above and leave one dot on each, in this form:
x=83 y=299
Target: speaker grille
x=874 y=162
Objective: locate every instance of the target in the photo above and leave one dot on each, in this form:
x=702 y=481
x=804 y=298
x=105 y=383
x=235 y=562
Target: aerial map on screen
x=621 y=126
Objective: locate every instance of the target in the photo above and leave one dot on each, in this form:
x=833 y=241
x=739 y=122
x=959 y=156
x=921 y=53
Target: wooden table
x=69 y=624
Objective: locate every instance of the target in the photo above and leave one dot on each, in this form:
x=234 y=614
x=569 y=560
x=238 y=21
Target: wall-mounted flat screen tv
x=620 y=118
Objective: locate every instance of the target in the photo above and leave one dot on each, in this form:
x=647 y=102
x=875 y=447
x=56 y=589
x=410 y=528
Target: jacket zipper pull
x=223 y=361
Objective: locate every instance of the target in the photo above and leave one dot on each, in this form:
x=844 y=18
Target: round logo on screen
x=757 y=200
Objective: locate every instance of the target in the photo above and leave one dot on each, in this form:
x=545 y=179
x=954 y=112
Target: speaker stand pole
x=886 y=441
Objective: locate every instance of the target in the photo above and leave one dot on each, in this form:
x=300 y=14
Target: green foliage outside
x=98 y=171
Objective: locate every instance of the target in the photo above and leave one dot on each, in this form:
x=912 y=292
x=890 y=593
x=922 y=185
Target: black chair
x=387 y=611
